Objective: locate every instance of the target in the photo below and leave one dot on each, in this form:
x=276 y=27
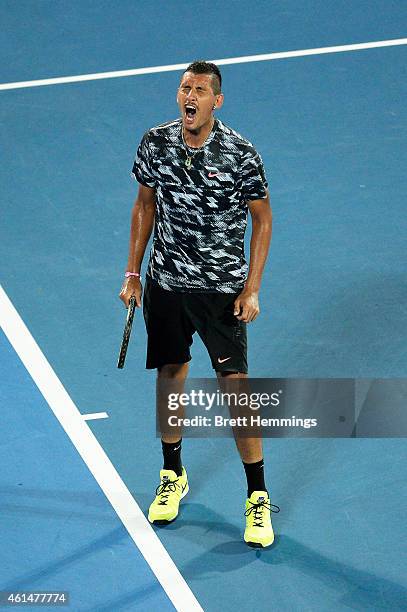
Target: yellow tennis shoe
x=259 y=531
x=170 y=491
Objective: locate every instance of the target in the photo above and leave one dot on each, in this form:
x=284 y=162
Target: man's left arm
x=247 y=303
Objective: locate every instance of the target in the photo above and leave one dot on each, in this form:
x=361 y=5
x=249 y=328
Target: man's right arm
x=142 y=222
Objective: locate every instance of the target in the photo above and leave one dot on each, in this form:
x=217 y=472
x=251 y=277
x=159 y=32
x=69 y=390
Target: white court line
x=95 y=458
x=95 y=415
x=220 y=62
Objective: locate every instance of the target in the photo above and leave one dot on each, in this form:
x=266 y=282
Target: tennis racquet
x=127 y=332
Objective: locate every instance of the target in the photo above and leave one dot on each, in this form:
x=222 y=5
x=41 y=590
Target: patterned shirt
x=201 y=211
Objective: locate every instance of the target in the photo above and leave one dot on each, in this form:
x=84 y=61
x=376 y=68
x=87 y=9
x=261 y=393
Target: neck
x=196 y=138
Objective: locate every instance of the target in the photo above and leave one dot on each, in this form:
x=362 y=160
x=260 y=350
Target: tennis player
x=197 y=180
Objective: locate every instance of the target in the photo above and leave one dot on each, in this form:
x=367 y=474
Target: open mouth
x=190 y=112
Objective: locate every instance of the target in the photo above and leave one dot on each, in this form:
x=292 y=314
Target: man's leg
x=169 y=339
x=225 y=337
x=250 y=448
x=171 y=438
x=259 y=531
x=173 y=477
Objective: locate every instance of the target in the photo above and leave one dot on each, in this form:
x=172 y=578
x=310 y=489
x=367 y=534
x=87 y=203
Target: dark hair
x=202 y=67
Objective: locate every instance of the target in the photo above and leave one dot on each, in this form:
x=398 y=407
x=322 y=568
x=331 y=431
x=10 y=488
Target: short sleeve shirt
x=201 y=210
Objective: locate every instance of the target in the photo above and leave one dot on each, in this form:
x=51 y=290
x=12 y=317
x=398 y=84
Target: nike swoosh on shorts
x=222 y=360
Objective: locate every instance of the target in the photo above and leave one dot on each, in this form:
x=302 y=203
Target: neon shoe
x=259 y=531
x=169 y=492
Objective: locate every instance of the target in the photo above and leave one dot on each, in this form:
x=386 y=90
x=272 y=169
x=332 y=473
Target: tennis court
x=331 y=126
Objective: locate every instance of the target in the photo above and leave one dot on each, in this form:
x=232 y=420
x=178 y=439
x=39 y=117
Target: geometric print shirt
x=201 y=211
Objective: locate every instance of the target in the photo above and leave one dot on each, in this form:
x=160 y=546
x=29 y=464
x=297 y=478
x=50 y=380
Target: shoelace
x=257 y=509
x=164 y=489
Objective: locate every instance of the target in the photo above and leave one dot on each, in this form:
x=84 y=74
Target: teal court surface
x=331 y=126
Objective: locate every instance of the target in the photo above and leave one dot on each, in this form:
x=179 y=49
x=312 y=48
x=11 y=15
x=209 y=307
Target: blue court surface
x=332 y=129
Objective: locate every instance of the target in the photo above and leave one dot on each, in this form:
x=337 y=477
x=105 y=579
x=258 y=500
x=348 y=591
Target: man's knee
x=173 y=370
x=231 y=375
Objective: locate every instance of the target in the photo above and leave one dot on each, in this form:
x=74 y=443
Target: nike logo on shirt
x=222 y=360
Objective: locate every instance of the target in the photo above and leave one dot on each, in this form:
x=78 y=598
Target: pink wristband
x=127 y=274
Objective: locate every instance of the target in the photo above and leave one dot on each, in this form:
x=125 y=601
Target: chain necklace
x=189 y=156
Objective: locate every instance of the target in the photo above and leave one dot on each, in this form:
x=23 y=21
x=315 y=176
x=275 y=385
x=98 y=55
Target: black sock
x=172 y=456
x=255 y=476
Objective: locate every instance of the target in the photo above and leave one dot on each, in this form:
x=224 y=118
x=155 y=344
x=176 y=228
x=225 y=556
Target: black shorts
x=173 y=317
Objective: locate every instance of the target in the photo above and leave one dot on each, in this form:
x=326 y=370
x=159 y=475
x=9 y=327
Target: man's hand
x=247 y=306
x=131 y=286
